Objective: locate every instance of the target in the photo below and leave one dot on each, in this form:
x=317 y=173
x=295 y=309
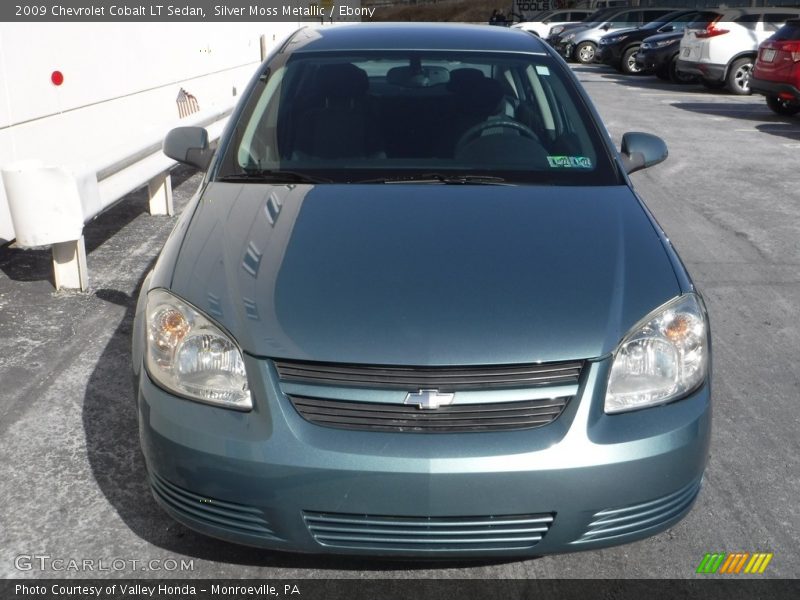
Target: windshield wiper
x=272 y=176
x=452 y=179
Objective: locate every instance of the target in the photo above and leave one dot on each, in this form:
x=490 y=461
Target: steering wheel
x=476 y=131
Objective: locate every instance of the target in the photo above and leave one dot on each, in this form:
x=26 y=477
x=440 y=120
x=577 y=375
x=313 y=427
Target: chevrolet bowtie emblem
x=429 y=399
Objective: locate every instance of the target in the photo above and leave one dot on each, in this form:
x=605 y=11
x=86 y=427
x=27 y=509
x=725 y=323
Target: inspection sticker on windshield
x=541 y=70
x=570 y=162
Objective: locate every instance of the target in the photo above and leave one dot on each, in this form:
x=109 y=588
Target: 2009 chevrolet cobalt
x=416 y=308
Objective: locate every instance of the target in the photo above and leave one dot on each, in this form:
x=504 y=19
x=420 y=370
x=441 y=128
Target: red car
x=776 y=73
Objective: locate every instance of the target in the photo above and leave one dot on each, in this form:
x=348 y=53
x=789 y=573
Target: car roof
x=413 y=36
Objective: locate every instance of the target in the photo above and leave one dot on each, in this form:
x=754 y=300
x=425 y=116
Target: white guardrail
x=49 y=205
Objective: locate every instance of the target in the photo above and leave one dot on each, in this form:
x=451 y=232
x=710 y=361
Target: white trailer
x=93 y=101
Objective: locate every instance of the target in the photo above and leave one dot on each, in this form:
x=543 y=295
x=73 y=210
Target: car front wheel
x=783 y=107
x=629 y=66
x=738 y=81
x=585 y=52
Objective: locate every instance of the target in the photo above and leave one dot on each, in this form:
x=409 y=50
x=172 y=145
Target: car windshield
x=403 y=116
x=664 y=20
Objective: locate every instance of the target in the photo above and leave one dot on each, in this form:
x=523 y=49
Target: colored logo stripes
x=724 y=563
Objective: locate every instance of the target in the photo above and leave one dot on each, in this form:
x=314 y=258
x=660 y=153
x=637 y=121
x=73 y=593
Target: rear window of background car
x=790 y=31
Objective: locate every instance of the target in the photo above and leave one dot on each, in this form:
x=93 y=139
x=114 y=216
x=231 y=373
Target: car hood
x=625 y=31
x=672 y=35
x=414 y=274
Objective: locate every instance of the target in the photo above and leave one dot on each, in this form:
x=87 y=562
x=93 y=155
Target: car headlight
x=556 y=30
x=664 y=357
x=663 y=43
x=189 y=355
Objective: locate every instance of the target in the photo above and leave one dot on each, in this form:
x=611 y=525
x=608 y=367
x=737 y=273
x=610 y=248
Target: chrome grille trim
x=216 y=513
x=374 y=416
x=444 y=379
x=615 y=522
x=434 y=534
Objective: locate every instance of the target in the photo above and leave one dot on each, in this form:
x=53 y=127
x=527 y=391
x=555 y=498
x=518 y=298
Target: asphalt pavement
x=72 y=477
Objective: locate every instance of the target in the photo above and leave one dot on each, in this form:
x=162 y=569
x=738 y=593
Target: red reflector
x=792 y=48
x=711 y=31
x=785 y=96
x=57 y=77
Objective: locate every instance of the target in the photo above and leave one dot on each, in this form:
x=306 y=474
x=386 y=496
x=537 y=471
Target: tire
x=785 y=108
x=628 y=64
x=738 y=79
x=676 y=76
x=585 y=52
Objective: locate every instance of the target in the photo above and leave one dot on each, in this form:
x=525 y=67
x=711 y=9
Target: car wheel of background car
x=676 y=76
x=629 y=66
x=738 y=80
x=585 y=52
x=783 y=107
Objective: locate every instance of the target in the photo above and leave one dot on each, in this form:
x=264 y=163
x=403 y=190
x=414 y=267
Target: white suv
x=721 y=47
x=546 y=21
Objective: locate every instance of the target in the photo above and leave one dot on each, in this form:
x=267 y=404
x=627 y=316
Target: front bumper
x=268 y=478
x=656 y=59
x=707 y=71
x=773 y=88
x=609 y=54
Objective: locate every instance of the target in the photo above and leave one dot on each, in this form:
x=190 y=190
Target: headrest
x=482 y=94
x=462 y=80
x=343 y=80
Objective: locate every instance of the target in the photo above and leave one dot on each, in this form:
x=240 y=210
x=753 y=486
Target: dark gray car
x=416 y=308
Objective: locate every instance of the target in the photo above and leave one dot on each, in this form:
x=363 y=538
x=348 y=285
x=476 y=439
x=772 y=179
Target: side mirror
x=188 y=145
x=642 y=150
x=667 y=28
x=605 y=26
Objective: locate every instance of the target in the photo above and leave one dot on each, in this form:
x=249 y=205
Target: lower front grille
x=427 y=534
x=617 y=522
x=218 y=514
x=374 y=416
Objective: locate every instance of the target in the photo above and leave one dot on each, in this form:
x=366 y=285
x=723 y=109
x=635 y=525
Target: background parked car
x=582 y=45
x=776 y=73
x=559 y=32
x=619 y=49
x=546 y=21
x=722 y=51
x=659 y=54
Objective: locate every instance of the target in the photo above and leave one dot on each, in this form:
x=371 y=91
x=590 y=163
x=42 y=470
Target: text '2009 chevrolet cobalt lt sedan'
x=416 y=308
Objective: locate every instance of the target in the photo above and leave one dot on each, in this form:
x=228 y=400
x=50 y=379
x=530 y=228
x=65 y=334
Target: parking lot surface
x=72 y=476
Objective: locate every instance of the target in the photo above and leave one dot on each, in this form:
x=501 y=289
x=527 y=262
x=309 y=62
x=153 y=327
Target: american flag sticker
x=187 y=104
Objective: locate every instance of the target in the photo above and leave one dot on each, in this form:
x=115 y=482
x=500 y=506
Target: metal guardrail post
x=159 y=190
x=69 y=265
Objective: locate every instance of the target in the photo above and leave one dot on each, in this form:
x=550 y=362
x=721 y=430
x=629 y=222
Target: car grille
x=236 y=518
x=427 y=534
x=316 y=392
x=444 y=379
x=616 y=522
x=374 y=416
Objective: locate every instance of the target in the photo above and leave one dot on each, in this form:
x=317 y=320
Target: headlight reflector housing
x=664 y=357
x=189 y=355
